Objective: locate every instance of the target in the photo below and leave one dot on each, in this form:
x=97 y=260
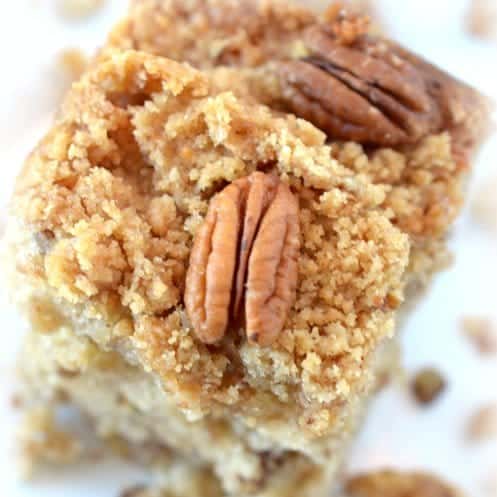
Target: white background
x=398 y=432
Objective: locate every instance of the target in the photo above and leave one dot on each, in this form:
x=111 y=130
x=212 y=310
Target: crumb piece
x=484 y=205
x=42 y=443
x=367 y=8
x=483 y=424
x=482 y=333
x=78 y=9
x=345 y=22
x=67 y=67
x=427 y=385
x=74 y=62
x=398 y=484
x=481 y=20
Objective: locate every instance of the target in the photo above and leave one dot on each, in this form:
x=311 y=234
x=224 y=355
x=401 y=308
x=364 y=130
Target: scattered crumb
x=67 y=67
x=398 y=484
x=78 y=9
x=482 y=332
x=42 y=443
x=483 y=424
x=484 y=205
x=481 y=20
x=427 y=385
x=74 y=62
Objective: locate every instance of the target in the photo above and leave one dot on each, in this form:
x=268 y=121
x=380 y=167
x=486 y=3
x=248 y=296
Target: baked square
x=213 y=262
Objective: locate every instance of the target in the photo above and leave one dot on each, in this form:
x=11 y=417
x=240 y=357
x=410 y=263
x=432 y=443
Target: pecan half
x=245 y=252
x=371 y=90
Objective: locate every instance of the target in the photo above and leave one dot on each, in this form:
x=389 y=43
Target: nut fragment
x=427 y=385
x=245 y=251
x=346 y=26
x=366 y=89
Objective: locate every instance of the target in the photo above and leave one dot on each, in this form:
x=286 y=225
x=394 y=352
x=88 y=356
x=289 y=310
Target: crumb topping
x=423 y=183
x=120 y=186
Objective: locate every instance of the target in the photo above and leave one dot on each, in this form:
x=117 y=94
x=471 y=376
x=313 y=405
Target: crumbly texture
x=423 y=182
x=109 y=203
x=113 y=195
x=397 y=484
x=107 y=207
x=214 y=32
x=125 y=403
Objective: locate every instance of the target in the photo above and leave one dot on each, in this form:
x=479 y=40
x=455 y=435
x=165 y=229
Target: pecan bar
x=235 y=245
x=236 y=283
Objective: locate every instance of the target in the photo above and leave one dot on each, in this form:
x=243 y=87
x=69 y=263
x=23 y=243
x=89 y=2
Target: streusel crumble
x=212 y=262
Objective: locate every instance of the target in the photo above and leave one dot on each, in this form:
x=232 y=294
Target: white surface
x=398 y=432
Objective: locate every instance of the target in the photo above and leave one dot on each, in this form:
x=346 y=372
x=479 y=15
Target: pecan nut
x=244 y=261
x=370 y=90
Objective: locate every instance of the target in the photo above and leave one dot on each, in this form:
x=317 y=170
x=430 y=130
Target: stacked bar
x=212 y=262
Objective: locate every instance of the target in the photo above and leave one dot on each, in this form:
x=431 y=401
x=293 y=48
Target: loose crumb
x=345 y=22
x=482 y=333
x=67 y=67
x=74 y=62
x=484 y=205
x=481 y=20
x=78 y=9
x=397 y=484
x=427 y=385
x=483 y=424
x=42 y=443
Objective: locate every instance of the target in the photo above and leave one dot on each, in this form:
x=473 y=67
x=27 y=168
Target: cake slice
x=212 y=263
x=132 y=214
